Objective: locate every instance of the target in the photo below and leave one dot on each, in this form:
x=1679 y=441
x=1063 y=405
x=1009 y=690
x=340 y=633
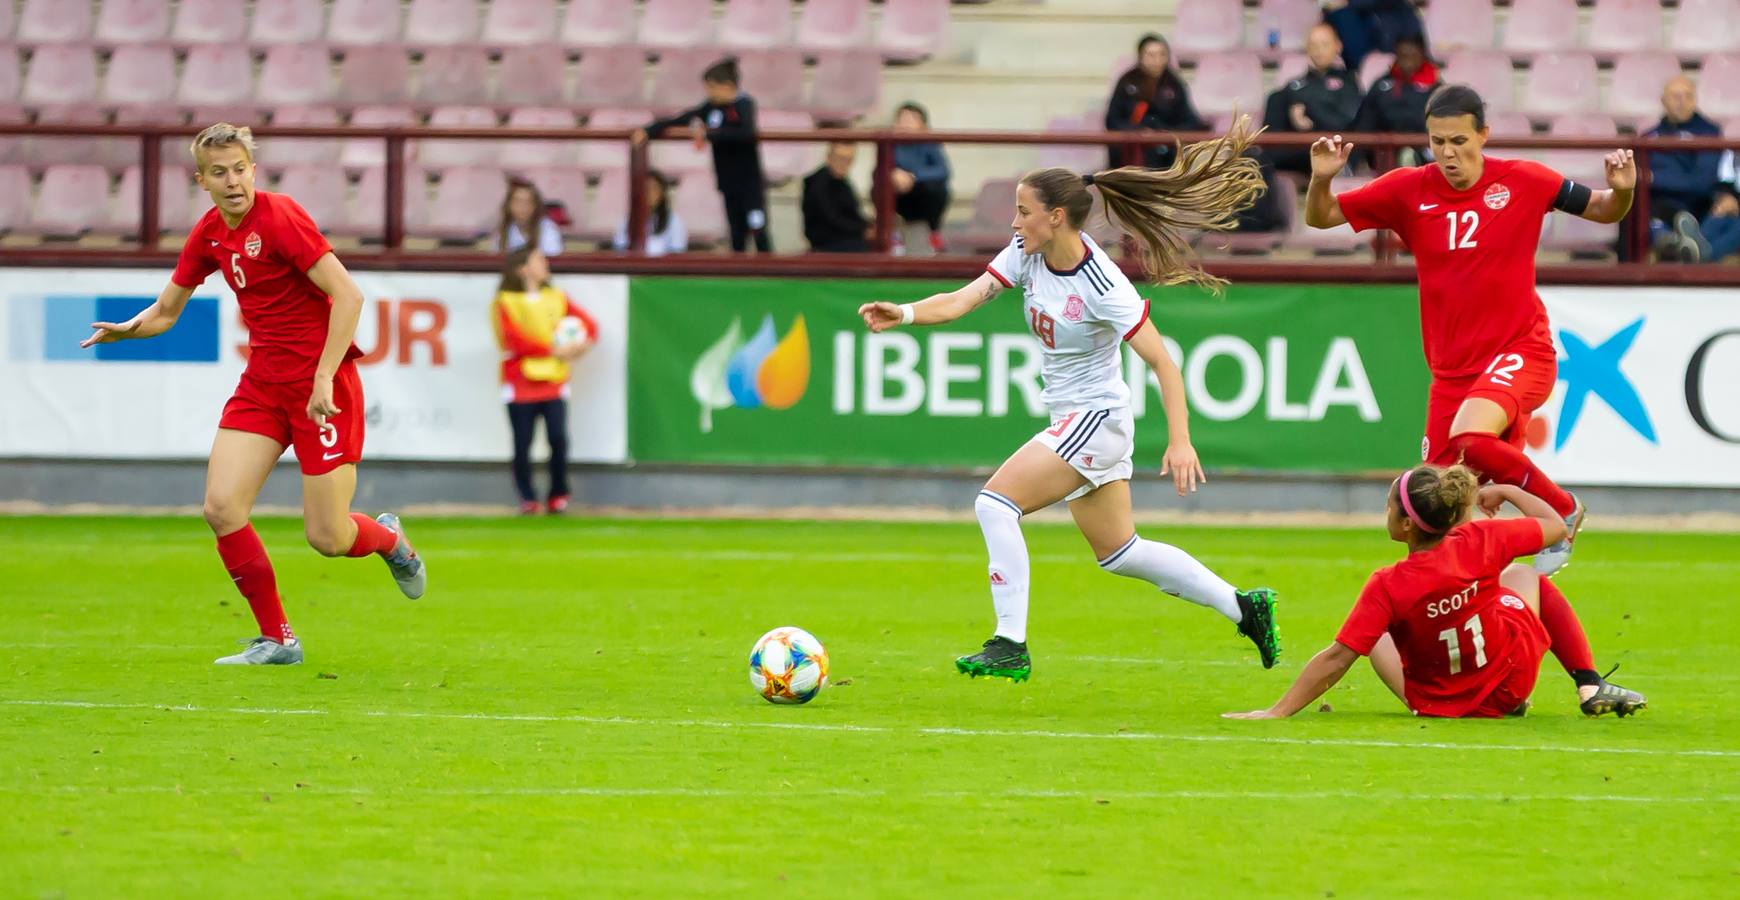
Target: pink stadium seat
x=61 y=73
x=453 y=75
x=1228 y=81
x=783 y=160
x=1621 y=25
x=72 y=200
x=599 y=219
x=366 y=153
x=698 y=204
x=6 y=21
x=845 y=85
x=1719 y=85
x=1541 y=26
x=1287 y=189
x=1460 y=25
x=174 y=184
x=834 y=24
x=435 y=23
x=132 y=21
x=1509 y=124
x=775 y=77
x=1288 y=66
x=14 y=197
x=1637 y=82
x=680 y=159
x=295 y=74
x=676 y=23
x=140 y=74
x=1340 y=239
x=1289 y=18
x=12 y=148
x=1074 y=157
x=440 y=154
x=375 y=75
x=321 y=190
x=564 y=186
x=1560 y=83
x=1373 y=68
x=1488 y=72
x=988 y=230
x=1574 y=234
x=363 y=23
x=234 y=113
x=1206 y=26
x=366 y=214
x=1582 y=165
x=520 y=156
x=756 y=23
x=610 y=76
x=209 y=22
x=9 y=80
x=54 y=22
x=1730 y=127
x=121 y=152
x=1705 y=26
x=48 y=151
x=532 y=76
x=598 y=23
x=216 y=74
x=514 y=23
x=282 y=152
x=287 y=21
x=605 y=156
x=912 y=30
x=466 y=204
x=677 y=81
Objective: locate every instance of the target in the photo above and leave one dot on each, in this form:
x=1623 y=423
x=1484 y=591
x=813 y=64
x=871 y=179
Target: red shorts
x=1520 y=381
x=280 y=411
x=1529 y=643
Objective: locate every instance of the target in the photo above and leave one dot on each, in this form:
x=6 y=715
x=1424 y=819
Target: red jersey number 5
x=1044 y=326
x=236 y=270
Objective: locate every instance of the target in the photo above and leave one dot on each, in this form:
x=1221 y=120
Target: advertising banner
x=1280 y=377
x=430 y=368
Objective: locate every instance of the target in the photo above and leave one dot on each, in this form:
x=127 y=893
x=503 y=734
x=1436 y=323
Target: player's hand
x=109 y=332
x=1491 y=498
x=320 y=403
x=1725 y=205
x=637 y=136
x=1186 y=470
x=881 y=315
x=698 y=133
x=903 y=181
x=1253 y=714
x=1296 y=115
x=571 y=351
x=1329 y=156
x=1621 y=170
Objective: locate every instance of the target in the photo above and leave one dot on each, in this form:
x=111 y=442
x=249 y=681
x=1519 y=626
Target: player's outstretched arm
x=1493 y=496
x=933 y=310
x=334 y=280
x=1321 y=674
x=1180 y=460
x=1328 y=158
x=1611 y=205
x=151 y=321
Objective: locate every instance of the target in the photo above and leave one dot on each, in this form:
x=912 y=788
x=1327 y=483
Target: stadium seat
x=287 y=22
x=1585 y=166
x=1074 y=157
x=374 y=76
x=1373 y=68
x=1290 y=19
x=14 y=197
x=1509 y=124
x=48 y=151
x=784 y=160
x=598 y=23
x=1228 y=81
x=321 y=190
x=1287 y=190
x=1488 y=73
x=1541 y=26
x=140 y=74
x=1719 y=85
x=9 y=79
x=1635 y=88
x=833 y=25
x=367 y=153
x=606 y=156
x=234 y=113
x=676 y=23
x=677 y=80
x=1460 y=25
x=59 y=74
x=1574 y=234
x=295 y=74
x=912 y=30
x=439 y=154
x=366 y=213
x=441 y=23
x=209 y=22
x=453 y=75
x=520 y=156
x=132 y=21
x=1340 y=239
x=1622 y=25
x=599 y=219
x=845 y=85
x=174 y=184
x=1206 y=26
x=71 y=200
x=284 y=151
x=1705 y=26
x=532 y=76
x=1560 y=83
x=12 y=147
x=216 y=74
x=756 y=23
x=54 y=22
x=6 y=21
x=1290 y=65
x=774 y=77
x=517 y=23
x=680 y=159
x=988 y=230
x=466 y=204
x=364 y=23
x=702 y=210
x=610 y=76
x=119 y=152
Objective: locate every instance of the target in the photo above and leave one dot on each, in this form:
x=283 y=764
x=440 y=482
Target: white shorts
x=1098 y=443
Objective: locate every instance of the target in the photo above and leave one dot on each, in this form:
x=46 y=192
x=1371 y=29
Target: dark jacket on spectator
x=731 y=130
x=1331 y=100
x=1689 y=179
x=833 y=221
x=1397 y=102
x=1161 y=104
x=926 y=162
x=1365 y=26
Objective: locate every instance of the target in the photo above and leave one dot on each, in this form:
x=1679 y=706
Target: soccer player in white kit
x=1082 y=309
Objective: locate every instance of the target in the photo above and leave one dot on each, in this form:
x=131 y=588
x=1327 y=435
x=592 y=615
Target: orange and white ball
x=788 y=665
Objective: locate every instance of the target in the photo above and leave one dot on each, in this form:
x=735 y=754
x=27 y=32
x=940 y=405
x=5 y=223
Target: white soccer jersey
x=1081 y=318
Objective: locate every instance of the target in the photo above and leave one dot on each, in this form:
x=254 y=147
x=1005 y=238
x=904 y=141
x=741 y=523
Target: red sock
x=251 y=570
x=371 y=537
x=1502 y=462
x=1570 y=644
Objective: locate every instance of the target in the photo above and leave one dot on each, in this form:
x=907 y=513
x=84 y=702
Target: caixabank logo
x=764 y=371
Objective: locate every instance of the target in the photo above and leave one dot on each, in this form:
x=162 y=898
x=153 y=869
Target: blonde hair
x=221 y=135
x=1440 y=496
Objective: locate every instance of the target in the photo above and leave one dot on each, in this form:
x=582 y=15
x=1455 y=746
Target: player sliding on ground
x=1472 y=223
x=300 y=388
x=1081 y=308
x=1456 y=629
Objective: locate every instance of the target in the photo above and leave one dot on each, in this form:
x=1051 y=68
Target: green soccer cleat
x=1001 y=658
x=1258 y=623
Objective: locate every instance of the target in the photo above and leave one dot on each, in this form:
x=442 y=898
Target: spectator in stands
x=1693 y=205
x=921 y=177
x=523 y=216
x=727 y=119
x=1150 y=97
x=833 y=220
x=1371 y=25
x=1324 y=98
x=540 y=332
x=664 y=228
x=1397 y=102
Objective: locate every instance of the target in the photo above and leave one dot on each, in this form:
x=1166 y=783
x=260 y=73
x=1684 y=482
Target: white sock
x=1000 y=519
x=1175 y=572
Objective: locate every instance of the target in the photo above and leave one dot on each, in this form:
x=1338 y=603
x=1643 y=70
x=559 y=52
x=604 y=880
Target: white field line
x=1262 y=739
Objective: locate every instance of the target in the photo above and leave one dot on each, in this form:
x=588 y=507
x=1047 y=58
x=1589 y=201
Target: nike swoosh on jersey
x=328 y=456
x=1426 y=206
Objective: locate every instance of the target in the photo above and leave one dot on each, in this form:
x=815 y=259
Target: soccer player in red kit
x=1455 y=629
x=1473 y=223
x=300 y=388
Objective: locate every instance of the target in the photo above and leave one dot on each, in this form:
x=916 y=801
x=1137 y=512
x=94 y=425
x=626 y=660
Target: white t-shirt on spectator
x=674 y=239
x=549 y=237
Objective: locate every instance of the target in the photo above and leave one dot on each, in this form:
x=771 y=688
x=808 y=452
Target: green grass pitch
x=568 y=713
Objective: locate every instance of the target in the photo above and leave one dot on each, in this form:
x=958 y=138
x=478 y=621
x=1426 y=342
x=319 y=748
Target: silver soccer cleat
x=1551 y=559
x=407 y=566
x=263 y=651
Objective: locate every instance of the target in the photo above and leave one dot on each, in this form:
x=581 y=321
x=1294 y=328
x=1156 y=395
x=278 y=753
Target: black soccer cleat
x=1257 y=607
x=1001 y=658
x=1611 y=698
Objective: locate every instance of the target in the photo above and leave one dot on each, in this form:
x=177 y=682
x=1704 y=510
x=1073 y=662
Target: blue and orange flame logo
x=765 y=370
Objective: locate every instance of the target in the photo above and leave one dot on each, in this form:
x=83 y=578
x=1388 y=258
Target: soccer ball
x=568 y=331
x=788 y=665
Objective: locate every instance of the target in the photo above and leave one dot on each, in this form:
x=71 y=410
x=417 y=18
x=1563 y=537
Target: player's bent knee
x=990 y=505
x=224 y=515
x=327 y=542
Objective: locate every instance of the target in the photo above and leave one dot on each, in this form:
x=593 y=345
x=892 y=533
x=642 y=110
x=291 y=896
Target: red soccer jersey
x=1475 y=253
x=266 y=260
x=1440 y=605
